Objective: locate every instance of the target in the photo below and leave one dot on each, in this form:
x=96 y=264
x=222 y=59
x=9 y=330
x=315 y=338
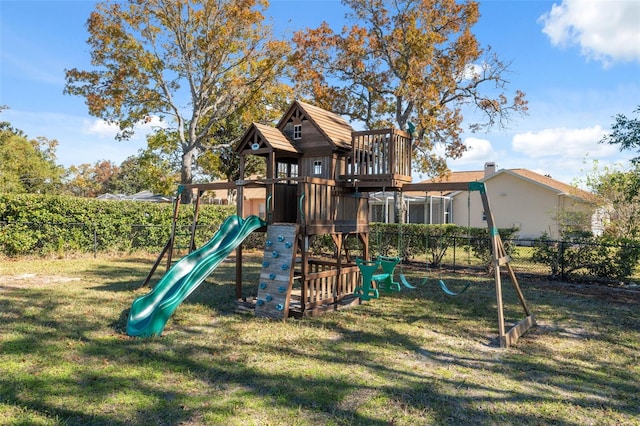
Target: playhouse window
x=317 y=168
x=287 y=170
x=297 y=131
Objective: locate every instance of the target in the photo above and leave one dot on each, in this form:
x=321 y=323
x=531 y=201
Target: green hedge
x=42 y=225
x=588 y=257
x=410 y=241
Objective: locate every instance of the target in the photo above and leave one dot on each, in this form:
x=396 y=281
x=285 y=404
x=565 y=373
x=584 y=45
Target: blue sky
x=578 y=61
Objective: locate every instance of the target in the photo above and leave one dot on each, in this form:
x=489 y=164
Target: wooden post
x=194 y=223
x=172 y=237
x=337 y=240
x=271 y=175
x=304 y=273
x=500 y=257
x=240 y=213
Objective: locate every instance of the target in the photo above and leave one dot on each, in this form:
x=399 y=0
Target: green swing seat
x=441 y=283
x=410 y=286
x=444 y=288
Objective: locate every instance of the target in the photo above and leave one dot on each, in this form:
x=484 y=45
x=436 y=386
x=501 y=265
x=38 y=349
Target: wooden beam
x=212 y=186
x=514 y=333
x=436 y=186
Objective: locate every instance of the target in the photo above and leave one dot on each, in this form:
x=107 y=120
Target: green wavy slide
x=150 y=313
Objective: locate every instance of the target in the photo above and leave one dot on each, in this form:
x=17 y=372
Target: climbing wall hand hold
x=269 y=243
x=268 y=298
x=280 y=238
x=259 y=302
x=279 y=307
x=272 y=276
x=265 y=264
x=285 y=267
x=263 y=285
x=287 y=245
x=275 y=254
x=282 y=289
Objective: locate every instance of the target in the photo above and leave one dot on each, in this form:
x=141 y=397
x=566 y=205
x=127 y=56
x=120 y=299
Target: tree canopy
x=192 y=63
x=625 y=132
x=619 y=189
x=27 y=165
x=414 y=64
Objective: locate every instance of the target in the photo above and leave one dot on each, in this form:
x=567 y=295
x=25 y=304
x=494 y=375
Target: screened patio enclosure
x=429 y=209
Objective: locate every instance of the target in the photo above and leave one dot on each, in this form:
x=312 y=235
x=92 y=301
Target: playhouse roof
x=275 y=138
x=336 y=129
x=265 y=138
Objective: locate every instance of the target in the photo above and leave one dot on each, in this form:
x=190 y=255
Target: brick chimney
x=489 y=168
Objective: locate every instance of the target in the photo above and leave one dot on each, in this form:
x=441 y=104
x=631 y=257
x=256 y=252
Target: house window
x=317 y=168
x=297 y=131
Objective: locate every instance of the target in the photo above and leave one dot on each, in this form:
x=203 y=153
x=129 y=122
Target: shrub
x=603 y=257
x=33 y=224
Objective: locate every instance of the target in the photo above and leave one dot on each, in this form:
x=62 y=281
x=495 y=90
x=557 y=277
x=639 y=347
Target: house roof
x=336 y=129
x=555 y=185
x=560 y=188
x=139 y=196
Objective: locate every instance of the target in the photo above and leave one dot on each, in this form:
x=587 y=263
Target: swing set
x=441 y=283
x=403 y=279
x=499 y=260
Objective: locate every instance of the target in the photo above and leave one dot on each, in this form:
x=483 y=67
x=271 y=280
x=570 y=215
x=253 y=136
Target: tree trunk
x=398 y=207
x=186 y=175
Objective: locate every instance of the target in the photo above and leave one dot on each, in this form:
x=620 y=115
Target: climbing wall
x=274 y=288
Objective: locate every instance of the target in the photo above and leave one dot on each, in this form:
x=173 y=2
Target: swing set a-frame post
x=500 y=258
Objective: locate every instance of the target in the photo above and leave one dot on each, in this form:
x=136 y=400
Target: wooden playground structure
x=319 y=173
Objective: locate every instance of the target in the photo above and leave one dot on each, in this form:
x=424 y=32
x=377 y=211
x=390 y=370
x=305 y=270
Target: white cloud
x=606 y=31
x=562 y=143
x=480 y=151
x=102 y=129
x=472 y=71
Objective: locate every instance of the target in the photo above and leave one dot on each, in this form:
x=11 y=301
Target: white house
x=518 y=197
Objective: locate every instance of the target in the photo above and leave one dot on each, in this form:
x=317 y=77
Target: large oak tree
x=192 y=62
x=409 y=63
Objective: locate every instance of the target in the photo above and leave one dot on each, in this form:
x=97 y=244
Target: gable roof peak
x=335 y=128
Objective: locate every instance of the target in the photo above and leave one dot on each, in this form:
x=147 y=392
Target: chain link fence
x=549 y=259
x=46 y=239
x=582 y=260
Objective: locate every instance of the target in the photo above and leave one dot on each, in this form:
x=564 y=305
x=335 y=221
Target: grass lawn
x=414 y=358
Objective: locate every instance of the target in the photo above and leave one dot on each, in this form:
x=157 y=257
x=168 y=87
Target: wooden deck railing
x=325 y=285
x=380 y=155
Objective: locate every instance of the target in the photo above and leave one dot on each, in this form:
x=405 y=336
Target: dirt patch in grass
x=32 y=281
x=622 y=294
